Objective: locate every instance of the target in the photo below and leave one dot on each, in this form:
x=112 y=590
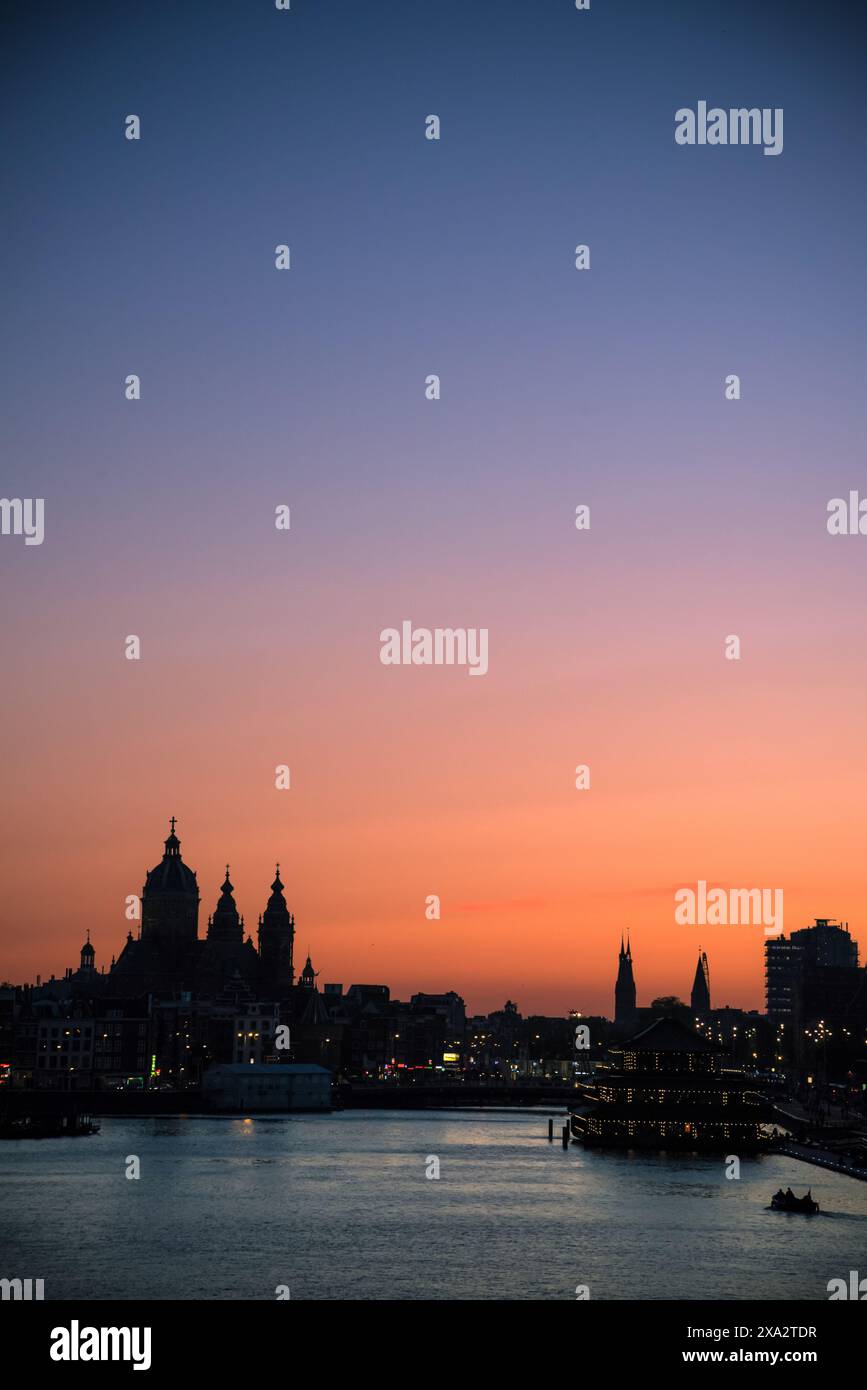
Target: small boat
x=787 y=1201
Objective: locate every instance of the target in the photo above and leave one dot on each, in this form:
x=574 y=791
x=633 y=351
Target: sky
x=306 y=388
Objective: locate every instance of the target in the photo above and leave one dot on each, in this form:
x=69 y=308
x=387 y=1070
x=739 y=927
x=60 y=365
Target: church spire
x=624 y=989
x=700 y=998
x=225 y=924
x=276 y=941
x=276 y=899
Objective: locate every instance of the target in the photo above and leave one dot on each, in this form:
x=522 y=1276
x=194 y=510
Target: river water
x=339 y=1207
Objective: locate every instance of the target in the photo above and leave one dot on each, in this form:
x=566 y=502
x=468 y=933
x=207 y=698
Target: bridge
x=345 y=1096
x=360 y=1096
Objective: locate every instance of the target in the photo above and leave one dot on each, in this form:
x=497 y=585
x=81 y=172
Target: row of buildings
x=816 y=999
x=174 y=1004
x=696 y=1078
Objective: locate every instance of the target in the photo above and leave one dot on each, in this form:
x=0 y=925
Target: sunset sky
x=410 y=257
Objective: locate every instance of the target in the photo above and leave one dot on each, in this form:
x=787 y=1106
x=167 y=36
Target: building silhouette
x=700 y=997
x=624 y=989
x=792 y=961
x=169 y=956
x=670 y=1090
x=817 y=996
x=277 y=942
x=174 y=1004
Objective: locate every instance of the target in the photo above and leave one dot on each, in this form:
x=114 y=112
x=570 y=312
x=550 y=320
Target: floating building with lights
x=670 y=1090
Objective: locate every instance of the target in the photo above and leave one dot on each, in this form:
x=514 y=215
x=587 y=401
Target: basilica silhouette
x=170 y=956
x=174 y=1003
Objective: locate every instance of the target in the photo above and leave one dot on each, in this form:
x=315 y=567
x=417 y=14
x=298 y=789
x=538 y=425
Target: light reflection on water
x=338 y=1206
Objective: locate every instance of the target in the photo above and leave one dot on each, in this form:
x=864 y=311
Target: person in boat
x=780 y=1196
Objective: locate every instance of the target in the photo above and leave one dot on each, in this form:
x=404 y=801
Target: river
x=339 y=1207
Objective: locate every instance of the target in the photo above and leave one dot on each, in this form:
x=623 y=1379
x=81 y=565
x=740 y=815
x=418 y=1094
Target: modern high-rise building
x=787 y=959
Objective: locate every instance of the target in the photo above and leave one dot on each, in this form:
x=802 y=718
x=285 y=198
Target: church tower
x=307 y=978
x=226 y=925
x=624 y=989
x=276 y=942
x=170 y=901
x=700 y=999
x=88 y=956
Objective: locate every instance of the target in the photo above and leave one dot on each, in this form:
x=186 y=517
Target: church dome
x=171 y=875
x=276 y=902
